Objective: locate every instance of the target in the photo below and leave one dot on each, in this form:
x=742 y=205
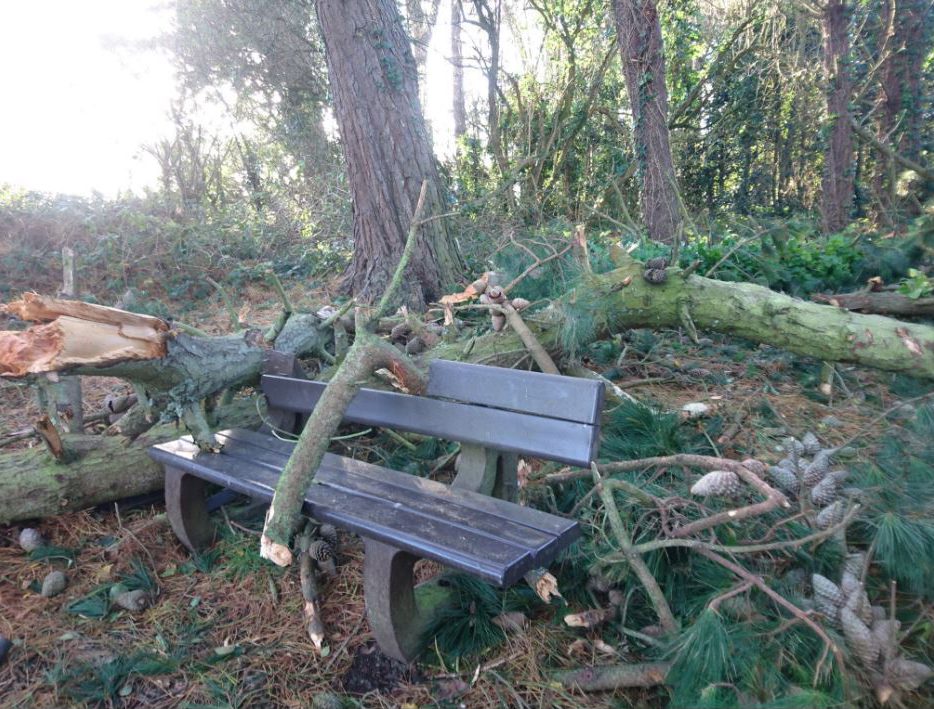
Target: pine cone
x=134 y=601
x=828 y=597
x=885 y=632
x=717 y=483
x=784 y=478
x=54 y=584
x=859 y=639
x=655 y=276
x=829 y=516
x=328 y=532
x=320 y=550
x=498 y=321
x=849 y=582
x=30 y=539
x=908 y=674
x=853 y=563
x=793 y=447
x=858 y=602
x=496 y=295
x=818 y=467
x=827 y=490
x=520 y=303
x=810 y=443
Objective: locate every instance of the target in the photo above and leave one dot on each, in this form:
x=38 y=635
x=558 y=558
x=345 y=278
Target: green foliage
x=916 y=285
x=635 y=430
x=899 y=497
x=703 y=655
x=465 y=627
x=108 y=681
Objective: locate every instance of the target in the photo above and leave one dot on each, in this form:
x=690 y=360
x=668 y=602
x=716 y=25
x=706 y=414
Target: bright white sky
x=76 y=108
x=81 y=96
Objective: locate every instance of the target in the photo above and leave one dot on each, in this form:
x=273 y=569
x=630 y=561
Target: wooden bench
x=473 y=525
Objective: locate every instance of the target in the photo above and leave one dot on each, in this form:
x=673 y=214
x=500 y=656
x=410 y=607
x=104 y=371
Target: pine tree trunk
x=837 y=181
x=457 y=62
x=900 y=100
x=643 y=55
x=388 y=153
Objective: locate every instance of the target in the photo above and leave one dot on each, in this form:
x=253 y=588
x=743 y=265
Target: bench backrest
x=540 y=415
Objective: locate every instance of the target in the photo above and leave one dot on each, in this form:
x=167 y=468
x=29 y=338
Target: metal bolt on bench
x=473 y=525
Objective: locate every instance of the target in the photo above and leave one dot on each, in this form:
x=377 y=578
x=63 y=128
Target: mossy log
x=104 y=468
x=622 y=298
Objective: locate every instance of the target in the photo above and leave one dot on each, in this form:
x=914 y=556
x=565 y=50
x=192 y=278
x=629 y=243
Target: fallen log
x=609 y=677
x=880 y=303
x=622 y=298
x=104 y=468
x=194 y=368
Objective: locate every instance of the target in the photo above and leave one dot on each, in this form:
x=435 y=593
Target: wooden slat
x=480 y=513
x=274 y=453
x=564 y=441
x=371 y=518
x=493 y=539
x=551 y=395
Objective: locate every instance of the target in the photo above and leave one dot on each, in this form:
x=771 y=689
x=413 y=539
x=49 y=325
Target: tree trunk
x=746 y=310
x=374 y=83
x=33 y=485
x=837 y=179
x=640 y=42
x=421 y=25
x=900 y=99
x=883 y=303
x=457 y=63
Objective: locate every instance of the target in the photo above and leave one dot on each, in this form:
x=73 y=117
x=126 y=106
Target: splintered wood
x=75 y=333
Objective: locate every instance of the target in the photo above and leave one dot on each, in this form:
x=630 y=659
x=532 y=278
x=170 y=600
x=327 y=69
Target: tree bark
x=643 y=55
x=609 y=677
x=742 y=309
x=837 y=179
x=388 y=153
x=899 y=106
x=457 y=64
x=105 y=468
x=367 y=354
x=882 y=303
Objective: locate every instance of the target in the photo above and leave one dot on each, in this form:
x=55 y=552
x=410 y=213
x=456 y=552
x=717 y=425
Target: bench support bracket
x=400 y=612
x=487 y=471
x=187 y=510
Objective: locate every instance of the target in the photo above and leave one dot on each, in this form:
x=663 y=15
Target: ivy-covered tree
x=387 y=150
x=643 y=56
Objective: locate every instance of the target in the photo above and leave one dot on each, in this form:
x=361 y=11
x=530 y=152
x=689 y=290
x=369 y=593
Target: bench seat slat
x=452 y=534
x=374 y=478
x=551 y=395
x=564 y=441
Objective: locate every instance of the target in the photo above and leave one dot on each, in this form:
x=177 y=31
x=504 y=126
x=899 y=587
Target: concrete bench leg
x=186 y=508
x=400 y=612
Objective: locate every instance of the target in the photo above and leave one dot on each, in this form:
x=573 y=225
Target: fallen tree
x=102 y=469
x=176 y=372
x=881 y=302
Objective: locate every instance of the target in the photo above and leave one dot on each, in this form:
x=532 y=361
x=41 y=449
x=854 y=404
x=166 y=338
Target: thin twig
x=624 y=539
x=396 y=281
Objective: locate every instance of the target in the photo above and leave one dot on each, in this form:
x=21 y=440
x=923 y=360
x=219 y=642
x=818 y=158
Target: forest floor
x=226 y=630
